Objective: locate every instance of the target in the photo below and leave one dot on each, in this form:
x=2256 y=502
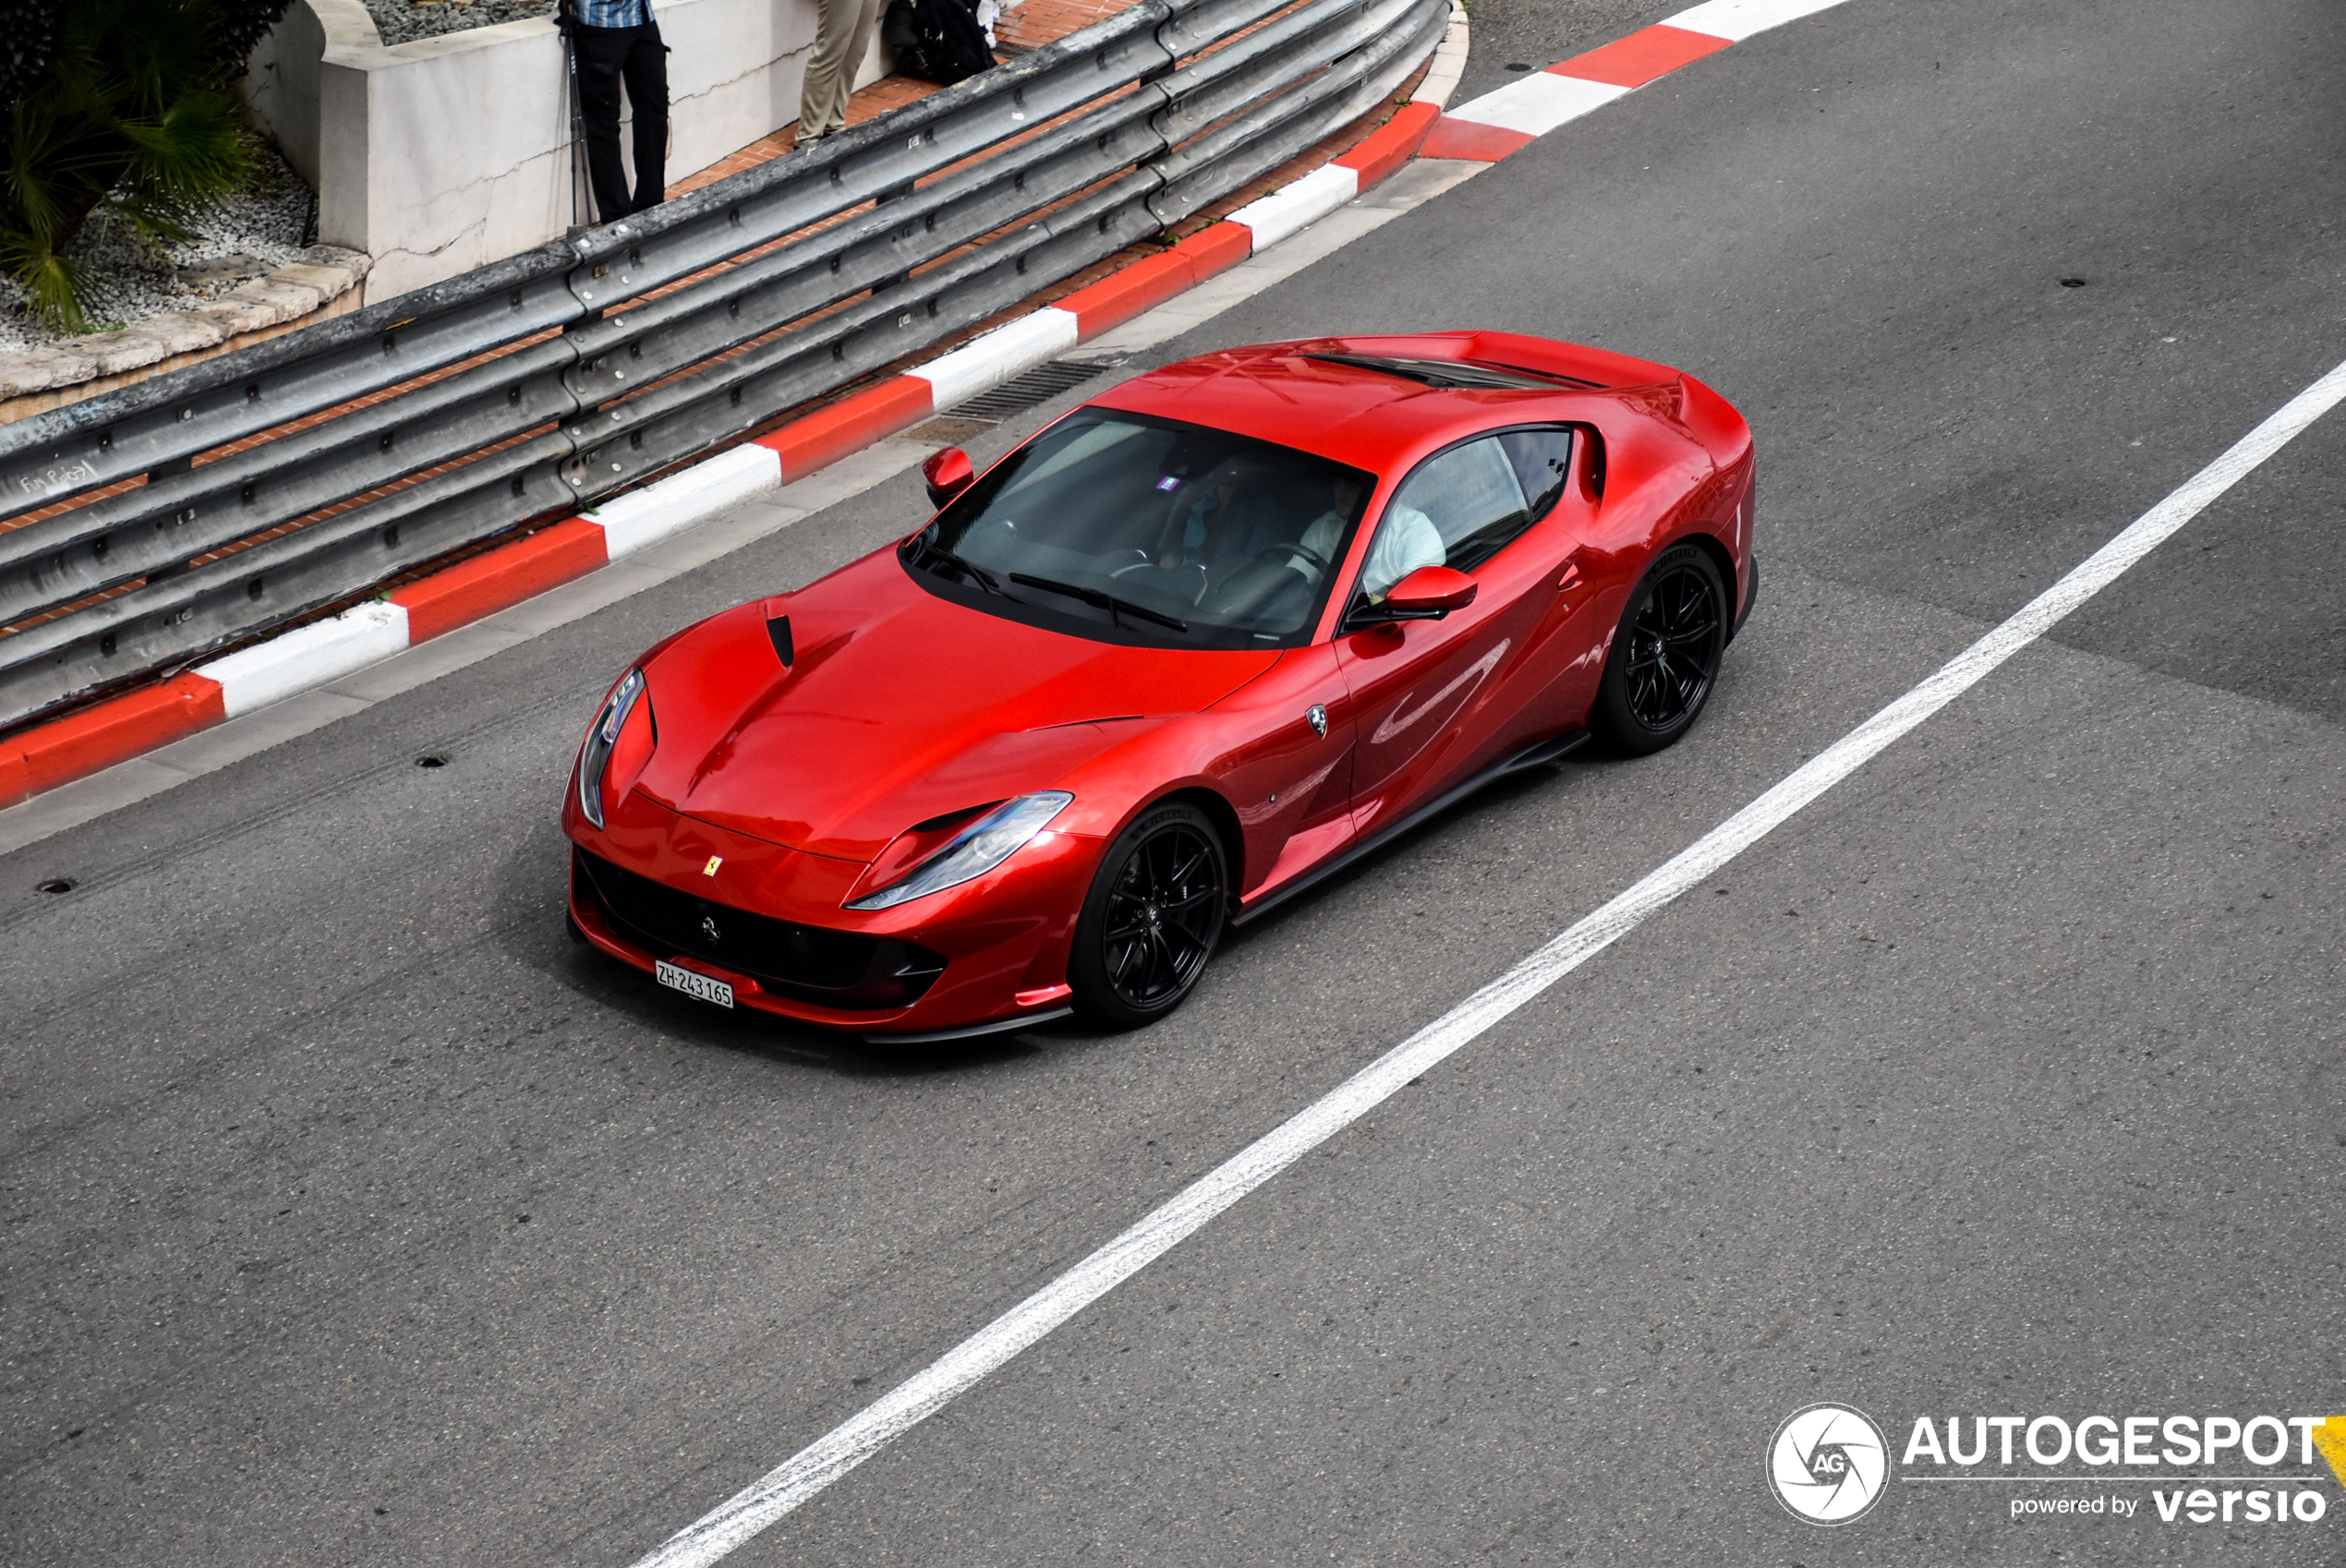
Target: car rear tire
x=1151 y=918
x=1665 y=654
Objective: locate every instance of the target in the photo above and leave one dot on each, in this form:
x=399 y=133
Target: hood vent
x=1455 y=374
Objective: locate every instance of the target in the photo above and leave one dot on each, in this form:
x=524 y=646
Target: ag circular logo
x=1828 y=1463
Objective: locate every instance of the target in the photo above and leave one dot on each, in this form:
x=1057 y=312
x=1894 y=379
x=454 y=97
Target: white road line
x=820 y=1463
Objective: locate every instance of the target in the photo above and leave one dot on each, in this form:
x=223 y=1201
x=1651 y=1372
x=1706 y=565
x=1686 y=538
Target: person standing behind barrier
x=616 y=42
x=842 y=37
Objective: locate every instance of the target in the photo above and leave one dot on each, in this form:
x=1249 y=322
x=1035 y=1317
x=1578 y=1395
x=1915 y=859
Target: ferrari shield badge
x=1318 y=718
x=714 y=862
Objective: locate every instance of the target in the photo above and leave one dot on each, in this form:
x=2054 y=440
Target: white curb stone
x=308 y=656
x=1536 y=104
x=1736 y=21
x=1297 y=205
x=706 y=489
x=987 y=362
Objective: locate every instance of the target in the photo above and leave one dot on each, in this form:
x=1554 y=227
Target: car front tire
x=1151 y=918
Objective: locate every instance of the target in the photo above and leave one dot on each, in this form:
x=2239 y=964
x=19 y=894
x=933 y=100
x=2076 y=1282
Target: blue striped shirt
x=612 y=13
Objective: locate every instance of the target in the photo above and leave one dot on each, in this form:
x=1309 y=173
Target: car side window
x=1542 y=462
x=1458 y=509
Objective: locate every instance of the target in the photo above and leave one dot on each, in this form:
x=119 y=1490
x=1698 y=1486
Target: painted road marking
x=1736 y=21
x=1537 y=103
x=815 y=1466
x=1512 y=118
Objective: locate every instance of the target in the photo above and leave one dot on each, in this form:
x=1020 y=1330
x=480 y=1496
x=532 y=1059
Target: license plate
x=676 y=977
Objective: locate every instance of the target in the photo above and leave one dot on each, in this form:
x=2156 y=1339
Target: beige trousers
x=842 y=37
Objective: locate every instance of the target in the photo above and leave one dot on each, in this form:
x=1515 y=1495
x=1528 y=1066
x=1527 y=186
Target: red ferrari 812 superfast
x=1203 y=641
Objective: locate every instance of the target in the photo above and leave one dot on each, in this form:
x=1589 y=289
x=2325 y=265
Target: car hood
x=898 y=707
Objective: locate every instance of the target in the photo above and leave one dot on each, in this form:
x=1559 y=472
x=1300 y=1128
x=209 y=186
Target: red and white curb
x=324 y=651
x=1485 y=130
x=1518 y=113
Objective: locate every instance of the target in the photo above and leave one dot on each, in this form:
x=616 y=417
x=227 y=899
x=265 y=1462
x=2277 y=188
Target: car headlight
x=620 y=735
x=978 y=848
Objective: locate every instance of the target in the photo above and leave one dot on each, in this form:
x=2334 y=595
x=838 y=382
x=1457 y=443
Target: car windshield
x=1131 y=529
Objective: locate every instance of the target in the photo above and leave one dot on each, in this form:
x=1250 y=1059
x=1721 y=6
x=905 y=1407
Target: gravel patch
x=266 y=227
x=403 y=21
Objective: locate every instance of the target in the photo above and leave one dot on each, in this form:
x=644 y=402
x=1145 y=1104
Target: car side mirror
x=949 y=473
x=1428 y=593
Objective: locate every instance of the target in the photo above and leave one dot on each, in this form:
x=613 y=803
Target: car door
x=1433 y=698
x=1560 y=567
x=1289 y=776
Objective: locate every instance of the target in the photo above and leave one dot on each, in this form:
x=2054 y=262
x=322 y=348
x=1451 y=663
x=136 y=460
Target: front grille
x=836 y=969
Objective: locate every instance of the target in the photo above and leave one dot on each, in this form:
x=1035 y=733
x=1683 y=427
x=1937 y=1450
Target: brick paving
x=1029 y=26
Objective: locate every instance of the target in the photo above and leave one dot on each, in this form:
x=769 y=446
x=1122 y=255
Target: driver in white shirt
x=1407 y=541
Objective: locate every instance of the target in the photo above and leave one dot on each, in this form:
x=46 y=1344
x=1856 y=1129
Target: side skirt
x=1535 y=755
x=999 y=1026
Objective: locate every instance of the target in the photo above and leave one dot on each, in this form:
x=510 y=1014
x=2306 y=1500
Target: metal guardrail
x=561 y=375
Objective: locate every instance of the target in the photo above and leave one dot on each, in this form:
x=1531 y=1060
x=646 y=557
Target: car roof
x=1370 y=401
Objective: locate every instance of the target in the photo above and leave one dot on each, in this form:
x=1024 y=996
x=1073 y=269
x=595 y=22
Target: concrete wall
x=281 y=84
x=439 y=156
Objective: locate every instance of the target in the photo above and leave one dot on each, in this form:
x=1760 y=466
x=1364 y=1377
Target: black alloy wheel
x=1665 y=655
x=1150 y=920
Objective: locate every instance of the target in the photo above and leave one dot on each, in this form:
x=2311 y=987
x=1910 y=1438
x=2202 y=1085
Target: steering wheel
x=1320 y=563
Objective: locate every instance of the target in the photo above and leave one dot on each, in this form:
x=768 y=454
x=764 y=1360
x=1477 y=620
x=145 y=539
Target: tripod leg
x=581 y=213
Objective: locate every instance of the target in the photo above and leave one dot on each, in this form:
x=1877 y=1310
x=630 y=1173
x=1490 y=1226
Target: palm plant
x=128 y=115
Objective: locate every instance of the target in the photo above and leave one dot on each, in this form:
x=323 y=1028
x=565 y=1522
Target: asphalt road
x=351 y=1215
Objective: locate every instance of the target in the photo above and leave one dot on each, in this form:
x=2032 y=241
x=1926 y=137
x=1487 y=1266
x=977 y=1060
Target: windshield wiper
x=1099 y=600
x=973 y=572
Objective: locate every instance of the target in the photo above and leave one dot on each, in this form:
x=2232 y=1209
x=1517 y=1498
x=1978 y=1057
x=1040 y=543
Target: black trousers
x=606 y=56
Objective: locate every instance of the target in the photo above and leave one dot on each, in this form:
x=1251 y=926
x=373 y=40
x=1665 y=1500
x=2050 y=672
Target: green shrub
x=128 y=115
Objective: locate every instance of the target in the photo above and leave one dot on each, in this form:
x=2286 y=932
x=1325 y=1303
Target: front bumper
x=837 y=971
x=768 y=921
